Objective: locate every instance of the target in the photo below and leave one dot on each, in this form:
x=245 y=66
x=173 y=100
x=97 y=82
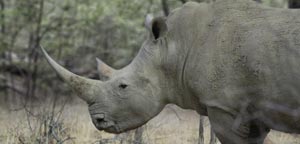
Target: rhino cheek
x=144 y=110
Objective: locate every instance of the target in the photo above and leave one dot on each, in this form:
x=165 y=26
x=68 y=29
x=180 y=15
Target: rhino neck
x=172 y=71
x=189 y=27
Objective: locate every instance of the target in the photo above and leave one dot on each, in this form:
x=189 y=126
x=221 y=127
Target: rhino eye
x=123 y=86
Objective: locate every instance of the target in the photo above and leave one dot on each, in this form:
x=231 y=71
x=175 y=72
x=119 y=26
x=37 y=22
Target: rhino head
x=127 y=98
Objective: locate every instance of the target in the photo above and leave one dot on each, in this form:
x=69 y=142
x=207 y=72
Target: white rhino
x=233 y=60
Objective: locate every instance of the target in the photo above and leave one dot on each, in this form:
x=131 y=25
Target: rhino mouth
x=109 y=127
x=104 y=124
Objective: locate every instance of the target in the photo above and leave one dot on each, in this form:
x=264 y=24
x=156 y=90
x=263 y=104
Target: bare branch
x=20 y=92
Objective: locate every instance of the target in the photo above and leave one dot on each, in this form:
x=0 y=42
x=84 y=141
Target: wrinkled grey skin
x=234 y=60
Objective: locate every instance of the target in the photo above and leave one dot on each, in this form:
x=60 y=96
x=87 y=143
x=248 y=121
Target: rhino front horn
x=84 y=87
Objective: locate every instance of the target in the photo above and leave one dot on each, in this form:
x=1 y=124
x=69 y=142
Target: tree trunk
x=201 y=130
x=213 y=138
x=34 y=43
x=294 y=4
x=138 y=135
x=165 y=7
x=4 y=46
x=2 y=16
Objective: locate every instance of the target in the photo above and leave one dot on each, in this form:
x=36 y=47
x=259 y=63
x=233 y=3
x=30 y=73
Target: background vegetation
x=35 y=106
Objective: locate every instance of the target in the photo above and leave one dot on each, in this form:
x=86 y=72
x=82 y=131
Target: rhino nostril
x=99 y=118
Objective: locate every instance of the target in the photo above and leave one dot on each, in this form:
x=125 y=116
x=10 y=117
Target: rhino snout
x=98 y=118
x=101 y=123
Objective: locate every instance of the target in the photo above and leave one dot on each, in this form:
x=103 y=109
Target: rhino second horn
x=105 y=71
x=84 y=87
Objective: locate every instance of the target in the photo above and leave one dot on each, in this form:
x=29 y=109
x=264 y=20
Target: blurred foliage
x=74 y=32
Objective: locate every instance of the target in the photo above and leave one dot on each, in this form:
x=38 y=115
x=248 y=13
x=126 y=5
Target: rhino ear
x=157 y=26
x=148 y=21
x=104 y=71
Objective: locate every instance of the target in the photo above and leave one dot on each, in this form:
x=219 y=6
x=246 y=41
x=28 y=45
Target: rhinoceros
x=235 y=61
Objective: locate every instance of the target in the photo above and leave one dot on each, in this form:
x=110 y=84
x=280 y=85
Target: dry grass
x=167 y=128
